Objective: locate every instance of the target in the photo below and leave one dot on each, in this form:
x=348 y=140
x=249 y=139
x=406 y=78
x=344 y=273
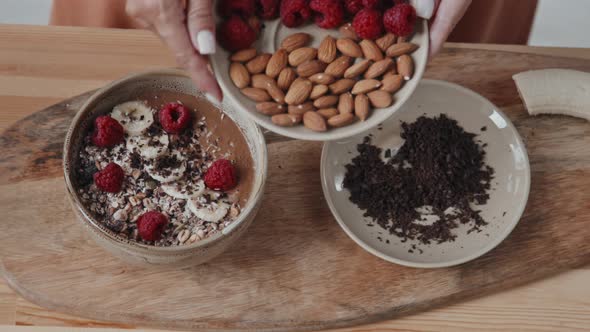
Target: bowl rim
x=96 y=226
x=329 y=135
x=476 y=254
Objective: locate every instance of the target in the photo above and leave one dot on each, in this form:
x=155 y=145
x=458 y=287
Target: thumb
x=201 y=25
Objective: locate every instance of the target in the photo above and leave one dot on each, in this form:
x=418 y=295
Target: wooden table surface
x=40 y=66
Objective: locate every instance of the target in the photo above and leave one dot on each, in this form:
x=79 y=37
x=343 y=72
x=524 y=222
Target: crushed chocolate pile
x=439 y=171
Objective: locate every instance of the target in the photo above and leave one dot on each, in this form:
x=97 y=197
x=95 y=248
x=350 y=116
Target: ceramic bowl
x=506 y=153
x=269 y=41
x=178 y=256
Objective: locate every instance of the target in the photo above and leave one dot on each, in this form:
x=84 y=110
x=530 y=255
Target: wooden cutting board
x=295 y=268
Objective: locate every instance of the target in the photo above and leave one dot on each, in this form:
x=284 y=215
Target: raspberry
x=235 y=34
x=353 y=6
x=110 y=179
x=329 y=13
x=221 y=175
x=400 y=19
x=268 y=9
x=243 y=8
x=107 y=132
x=367 y=24
x=174 y=118
x=150 y=225
x=294 y=12
x=372 y=4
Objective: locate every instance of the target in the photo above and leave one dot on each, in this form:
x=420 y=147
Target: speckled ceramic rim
x=98 y=227
x=339 y=133
x=501 y=237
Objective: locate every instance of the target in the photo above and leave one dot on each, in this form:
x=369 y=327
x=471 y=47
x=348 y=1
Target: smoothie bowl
x=158 y=174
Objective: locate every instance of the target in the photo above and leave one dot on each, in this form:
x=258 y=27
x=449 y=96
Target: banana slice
x=121 y=157
x=166 y=168
x=555 y=91
x=209 y=207
x=184 y=189
x=134 y=116
x=149 y=147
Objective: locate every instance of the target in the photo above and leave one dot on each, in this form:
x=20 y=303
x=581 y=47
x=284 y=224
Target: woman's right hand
x=189 y=32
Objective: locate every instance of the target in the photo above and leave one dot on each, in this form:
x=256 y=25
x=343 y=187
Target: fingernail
x=424 y=8
x=205 y=42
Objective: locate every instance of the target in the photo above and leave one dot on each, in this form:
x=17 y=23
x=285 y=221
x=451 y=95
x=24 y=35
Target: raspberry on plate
x=368 y=24
x=110 y=179
x=328 y=13
x=400 y=19
x=242 y=8
x=174 y=118
x=107 y=132
x=221 y=175
x=353 y=6
x=235 y=34
x=294 y=12
x=150 y=225
x=372 y=4
x=268 y=9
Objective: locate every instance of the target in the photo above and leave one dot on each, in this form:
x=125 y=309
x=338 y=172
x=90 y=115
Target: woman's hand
x=446 y=17
x=188 y=29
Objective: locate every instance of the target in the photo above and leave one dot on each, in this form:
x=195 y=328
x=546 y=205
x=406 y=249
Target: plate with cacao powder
x=441 y=182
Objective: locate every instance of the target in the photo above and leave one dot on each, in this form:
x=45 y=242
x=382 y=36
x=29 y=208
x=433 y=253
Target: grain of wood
x=60 y=53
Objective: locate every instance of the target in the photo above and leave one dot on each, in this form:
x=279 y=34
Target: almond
x=357 y=69
x=286 y=120
x=239 y=75
x=387 y=40
x=286 y=77
x=399 y=49
x=327 y=50
x=405 y=66
x=370 y=50
x=309 y=68
x=326 y=101
x=318 y=91
x=275 y=92
x=298 y=92
x=342 y=86
x=244 y=55
x=392 y=82
x=314 y=121
x=258 y=64
x=379 y=68
x=349 y=47
x=301 y=109
x=302 y=55
x=338 y=66
x=256 y=94
x=364 y=86
x=341 y=120
x=380 y=98
x=261 y=81
x=327 y=113
x=402 y=39
x=270 y=108
x=361 y=106
x=322 y=78
x=346 y=103
x=277 y=62
x=295 y=41
x=347 y=31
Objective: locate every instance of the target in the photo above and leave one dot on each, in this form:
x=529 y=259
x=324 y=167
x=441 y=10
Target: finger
x=447 y=16
x=201 y=25
x=172 y=29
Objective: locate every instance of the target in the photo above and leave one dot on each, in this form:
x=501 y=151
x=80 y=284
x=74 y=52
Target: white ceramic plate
x=270 y=39
x=505 y=153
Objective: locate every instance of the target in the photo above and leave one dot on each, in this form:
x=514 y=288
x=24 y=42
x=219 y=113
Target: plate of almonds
x=318 y=70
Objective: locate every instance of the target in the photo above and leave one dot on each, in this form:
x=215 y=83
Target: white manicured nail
x=424 y=8
x=205 y=42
